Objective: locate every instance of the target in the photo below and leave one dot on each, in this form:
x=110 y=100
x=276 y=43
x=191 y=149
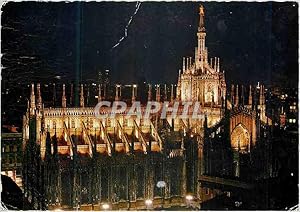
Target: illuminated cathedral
x=74 y=160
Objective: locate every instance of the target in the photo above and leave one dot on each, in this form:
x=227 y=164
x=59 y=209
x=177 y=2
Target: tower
x=199 y=80
x=201 y=56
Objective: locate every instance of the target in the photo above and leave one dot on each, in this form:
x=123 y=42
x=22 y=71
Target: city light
x=148 y=202
x=105 y=206
x=189 y=197
x=161 y=184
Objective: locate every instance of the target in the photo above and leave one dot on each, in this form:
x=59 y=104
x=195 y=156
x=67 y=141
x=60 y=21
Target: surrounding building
x=104 y=80
x=72 y=159
x=11 y=156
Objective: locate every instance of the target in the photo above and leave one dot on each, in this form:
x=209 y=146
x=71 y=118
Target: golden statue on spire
x=201 y=10
x=201 y=27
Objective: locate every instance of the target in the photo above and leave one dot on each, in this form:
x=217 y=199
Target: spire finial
x=54 y=95
x=71 y=94
x=99 y=93
x=134 y=92
x=118 y=92
x=261 y=95
x=32 y=88
x=39 y=96
x=64 y=99
x=201 y=10
x=250 y=96
x=158 y=93
x=201 y=21
x=172 y=93
x=81 y=96
x=165 y=92
x=149 y=92
x=232 y=94
x=32 y=100
x=237 y=96
x=215 y=66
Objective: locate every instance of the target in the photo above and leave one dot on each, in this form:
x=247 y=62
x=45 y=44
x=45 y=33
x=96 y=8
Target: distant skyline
x=255 y=41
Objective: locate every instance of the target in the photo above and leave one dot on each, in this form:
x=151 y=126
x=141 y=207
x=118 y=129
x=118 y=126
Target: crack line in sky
x=137 y=7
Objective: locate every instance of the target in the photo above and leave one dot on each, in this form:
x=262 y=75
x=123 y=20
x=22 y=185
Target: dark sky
x=255 y=41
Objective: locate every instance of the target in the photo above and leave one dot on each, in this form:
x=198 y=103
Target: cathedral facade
x=72 y=159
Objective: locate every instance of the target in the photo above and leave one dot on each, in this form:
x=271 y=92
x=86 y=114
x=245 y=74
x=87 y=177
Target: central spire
x=201 y=50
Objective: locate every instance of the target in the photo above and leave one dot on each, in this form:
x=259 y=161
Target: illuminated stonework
x=67 y=133
x=240 y=139
x=200 y=80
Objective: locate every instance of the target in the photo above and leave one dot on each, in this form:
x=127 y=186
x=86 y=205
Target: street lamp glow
x=161 y=184
x=189 y=197
x=148 y=202
x=105 y=206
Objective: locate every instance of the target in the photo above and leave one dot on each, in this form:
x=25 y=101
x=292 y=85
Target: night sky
x=255 y=41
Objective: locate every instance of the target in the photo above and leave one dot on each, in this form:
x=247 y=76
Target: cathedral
x=74 y=160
